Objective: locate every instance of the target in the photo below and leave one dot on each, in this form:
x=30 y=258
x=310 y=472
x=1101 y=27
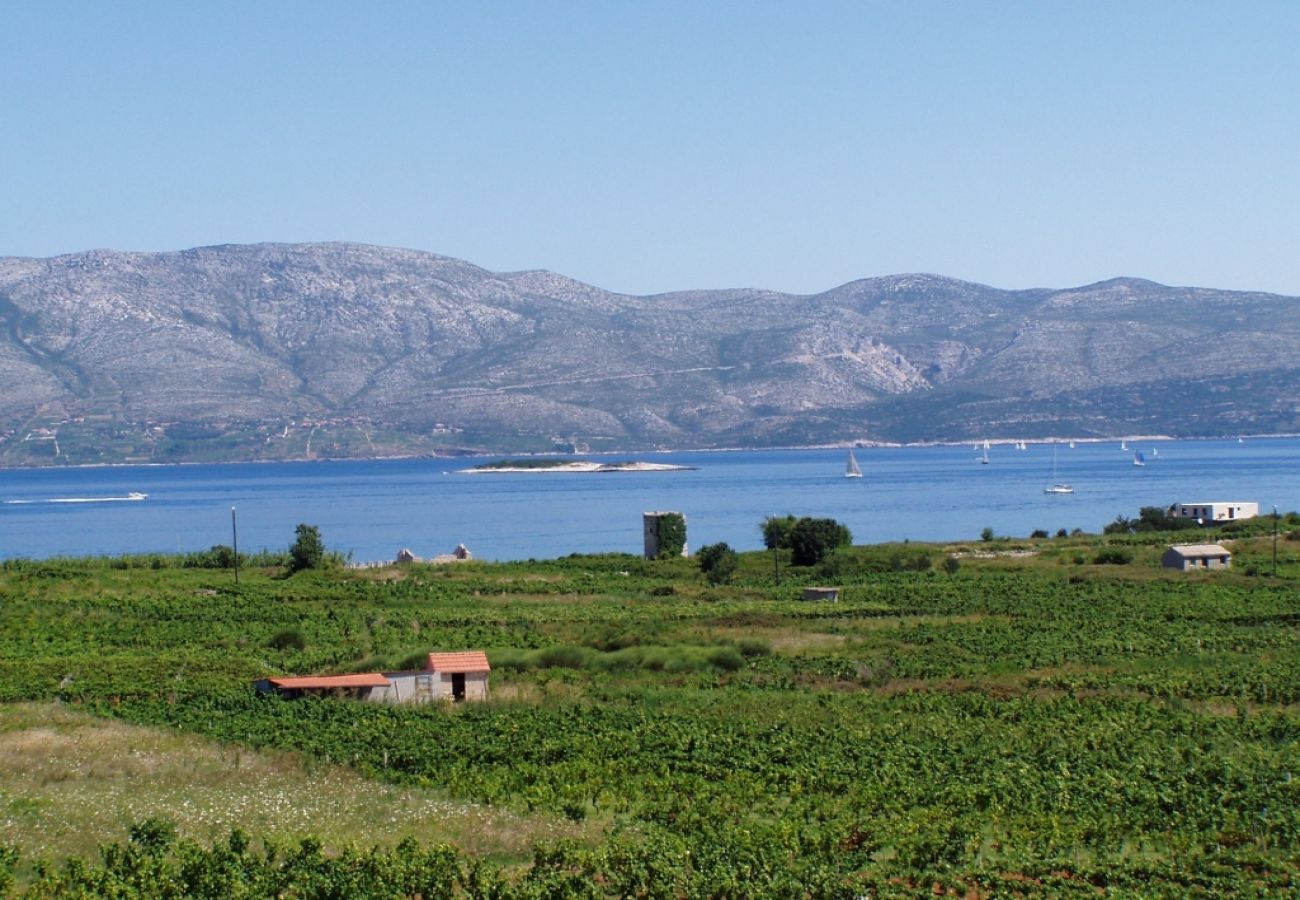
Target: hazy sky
x=646 y=146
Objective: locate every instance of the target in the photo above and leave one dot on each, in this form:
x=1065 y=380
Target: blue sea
x=372 y=508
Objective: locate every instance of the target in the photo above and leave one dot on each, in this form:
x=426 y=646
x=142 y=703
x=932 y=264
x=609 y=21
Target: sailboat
x=1138 y=458
x=1071 y=445
x=1123 y=444
x=851 y=470
x=1155 y=452
x=1057 y=486
x=984 y=457
x=1020 y=445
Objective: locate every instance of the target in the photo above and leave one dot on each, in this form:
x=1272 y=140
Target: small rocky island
x=572 y=465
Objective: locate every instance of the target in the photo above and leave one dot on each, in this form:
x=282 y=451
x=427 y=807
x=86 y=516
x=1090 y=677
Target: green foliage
x=672 y=535
x=986 y=534
x=1113 y=556
x=219 y=557
x=1155 y=518
x=526 y=463
x=8 y=862
x=154 y=863
x=289 y=639
x=647 y=658
x=717 y=562
x=951 y=564
x=308 y=550
x=812 y=540
x=1024 y=728
x=776 y=532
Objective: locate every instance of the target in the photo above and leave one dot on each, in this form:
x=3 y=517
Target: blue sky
x=647 y=147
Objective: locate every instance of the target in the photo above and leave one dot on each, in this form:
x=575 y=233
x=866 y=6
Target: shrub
x=413 y=661
x=812 y=540
x=987 y=534
x=727 y=659
x=753 y=647
x=914 y=561
x=289 y=639
x=1113 y=556
x=1038 y=533
x=951 y=564
x=717 y=562
x=776 y=532
x=562 y=658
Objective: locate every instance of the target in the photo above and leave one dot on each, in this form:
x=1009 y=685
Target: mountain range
x=336 y=349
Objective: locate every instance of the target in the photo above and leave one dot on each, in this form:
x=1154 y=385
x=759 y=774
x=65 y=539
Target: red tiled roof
x=331 y=681
x=465 y=661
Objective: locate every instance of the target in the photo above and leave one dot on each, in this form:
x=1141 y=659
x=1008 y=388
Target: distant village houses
x=450 y=677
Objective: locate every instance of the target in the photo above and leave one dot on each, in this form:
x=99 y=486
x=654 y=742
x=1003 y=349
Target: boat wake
x=133 y=496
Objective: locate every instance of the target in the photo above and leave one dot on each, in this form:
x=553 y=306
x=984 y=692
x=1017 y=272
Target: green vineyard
x=994 y=719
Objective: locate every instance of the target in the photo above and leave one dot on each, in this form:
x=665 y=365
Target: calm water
x=371 y=509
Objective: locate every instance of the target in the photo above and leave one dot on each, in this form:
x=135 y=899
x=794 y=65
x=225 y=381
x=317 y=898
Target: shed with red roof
x=360 y=687
x=458 y=676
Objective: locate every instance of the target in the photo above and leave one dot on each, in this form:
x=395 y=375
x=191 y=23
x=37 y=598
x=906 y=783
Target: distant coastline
x=645 y=467
x=534 y=464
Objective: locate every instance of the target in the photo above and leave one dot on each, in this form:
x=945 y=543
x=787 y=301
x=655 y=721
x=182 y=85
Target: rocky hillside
x=281 y=350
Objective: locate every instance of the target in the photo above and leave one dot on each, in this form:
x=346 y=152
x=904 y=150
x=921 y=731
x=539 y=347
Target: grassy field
x=995 y=717
x=70 y=782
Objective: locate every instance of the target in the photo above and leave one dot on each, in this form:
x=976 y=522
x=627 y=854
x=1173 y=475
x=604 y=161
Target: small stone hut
x=1196 y=556
x=445 y=676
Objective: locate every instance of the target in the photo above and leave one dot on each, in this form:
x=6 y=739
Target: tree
x=812 y=540
x=776 y=532
x=717 y=562
x=308 y=550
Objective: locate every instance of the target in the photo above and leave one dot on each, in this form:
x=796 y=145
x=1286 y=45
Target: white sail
x=852 y=470
x=1057 y=487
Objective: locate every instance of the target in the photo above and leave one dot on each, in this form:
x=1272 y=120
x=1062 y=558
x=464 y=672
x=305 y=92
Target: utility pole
x=234 y=541
x=1274 y=540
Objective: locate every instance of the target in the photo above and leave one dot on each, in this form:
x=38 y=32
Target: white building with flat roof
x=1212 y=512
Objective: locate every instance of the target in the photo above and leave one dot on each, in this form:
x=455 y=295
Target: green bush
x=289 y=639
x=727 y=659
x=1113 y=556
x=563 y=657
x=717 y=562
x=812 y=540
x=776 y=532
